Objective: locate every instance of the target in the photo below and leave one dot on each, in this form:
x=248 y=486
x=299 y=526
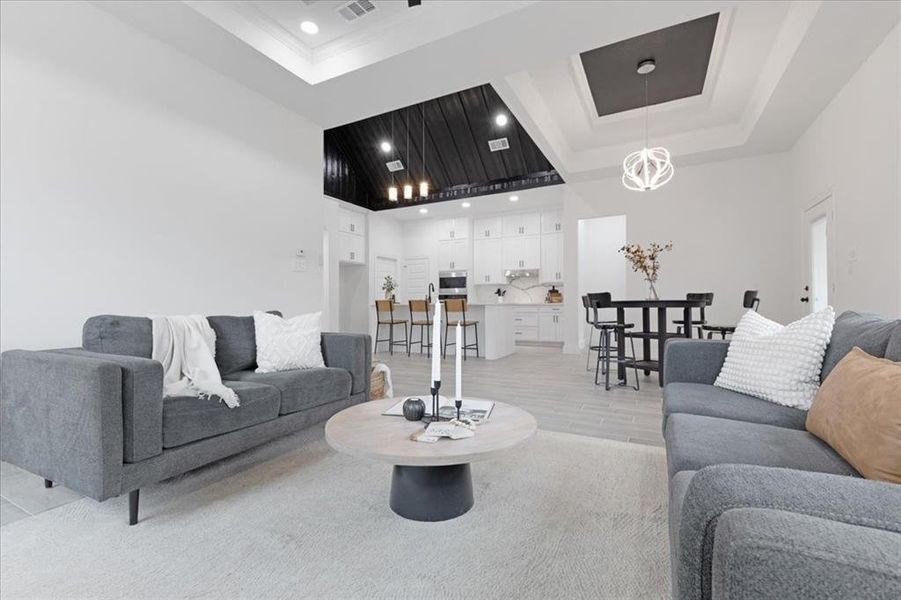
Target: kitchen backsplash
x=523 y=290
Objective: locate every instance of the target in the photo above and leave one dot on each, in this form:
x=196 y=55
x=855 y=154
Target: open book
x=476 y=410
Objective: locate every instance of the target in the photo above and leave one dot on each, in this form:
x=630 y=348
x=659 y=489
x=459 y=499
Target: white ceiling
x=775 y=65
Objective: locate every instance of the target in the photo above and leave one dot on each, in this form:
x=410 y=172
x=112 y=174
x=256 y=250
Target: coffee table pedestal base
x=431 y=493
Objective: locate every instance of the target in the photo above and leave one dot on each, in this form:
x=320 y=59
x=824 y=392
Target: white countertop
x=520 y=304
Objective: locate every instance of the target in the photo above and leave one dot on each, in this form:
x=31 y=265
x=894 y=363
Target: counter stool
x=603 y=300
x=419 y=316
x=382 y=308
x=750 y=300
x=591 y=329
x=707 y=297
x=458 y=306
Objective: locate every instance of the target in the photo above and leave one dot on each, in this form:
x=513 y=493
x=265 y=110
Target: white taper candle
x=436 y=344
x=459 y=380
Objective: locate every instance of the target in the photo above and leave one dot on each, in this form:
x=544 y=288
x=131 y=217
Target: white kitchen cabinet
x=453 y=229
x=522 y=252
x=551 y=258
x=487 y=228
x=525 y=324
x=351 y=222
x=550 y=324
x=487 y=261
x=351 y=248
x=521 y=224
x=551 y=221
x=454 y=255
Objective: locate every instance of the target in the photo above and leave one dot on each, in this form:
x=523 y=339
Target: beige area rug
x=563 y=516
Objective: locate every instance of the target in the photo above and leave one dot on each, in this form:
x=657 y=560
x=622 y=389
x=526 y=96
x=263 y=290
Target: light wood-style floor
x=553 y=386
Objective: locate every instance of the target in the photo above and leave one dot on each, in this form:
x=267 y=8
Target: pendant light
x=423 y=184
x=408 y=187
x=649 y=168
x=392 y=189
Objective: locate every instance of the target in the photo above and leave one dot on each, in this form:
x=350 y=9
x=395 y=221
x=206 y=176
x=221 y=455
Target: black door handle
x=805 y=299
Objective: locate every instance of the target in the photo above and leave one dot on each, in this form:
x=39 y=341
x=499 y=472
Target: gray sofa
x=759 y=507
x=94 y=418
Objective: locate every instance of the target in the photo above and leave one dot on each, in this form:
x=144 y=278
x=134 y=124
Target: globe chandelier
x=649 y=168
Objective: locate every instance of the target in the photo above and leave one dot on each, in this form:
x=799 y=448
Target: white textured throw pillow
x=285 y=344
x=775 y=362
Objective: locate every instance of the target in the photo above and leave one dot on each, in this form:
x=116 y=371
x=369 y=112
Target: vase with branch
x=646 y=261
x=389 y=287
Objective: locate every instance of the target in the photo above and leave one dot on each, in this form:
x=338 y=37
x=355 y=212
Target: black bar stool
x=750 y=300
x=591 y=329
x=386 y=307
x=707 y=297
x=606 y=348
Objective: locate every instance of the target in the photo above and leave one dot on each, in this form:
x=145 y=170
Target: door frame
x=824 y=206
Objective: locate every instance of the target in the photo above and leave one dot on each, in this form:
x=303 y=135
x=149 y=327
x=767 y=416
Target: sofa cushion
x=712 y=401
x=302 y=389
x=694 y=442
x=113 y=334
x=678 y=485
x=188 y=418
x=868 y=332
x=236 y=347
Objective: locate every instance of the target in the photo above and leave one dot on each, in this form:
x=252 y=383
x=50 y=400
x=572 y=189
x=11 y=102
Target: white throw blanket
x=186 y=347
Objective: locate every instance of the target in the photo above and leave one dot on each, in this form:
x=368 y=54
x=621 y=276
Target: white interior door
x=417 y=276
x=820 y=242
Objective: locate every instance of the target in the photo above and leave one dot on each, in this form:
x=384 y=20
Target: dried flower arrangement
x=645 y=261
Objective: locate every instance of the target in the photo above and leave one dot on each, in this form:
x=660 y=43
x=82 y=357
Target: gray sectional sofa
x=94 y=418
x=759 y=507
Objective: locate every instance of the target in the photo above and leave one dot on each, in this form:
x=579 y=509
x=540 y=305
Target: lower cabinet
x=538 y=324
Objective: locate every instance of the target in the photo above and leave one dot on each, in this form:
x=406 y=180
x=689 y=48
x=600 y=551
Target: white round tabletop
x=362 y=430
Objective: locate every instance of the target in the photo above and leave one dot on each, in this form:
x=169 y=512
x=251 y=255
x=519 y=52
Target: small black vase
x=414 y=409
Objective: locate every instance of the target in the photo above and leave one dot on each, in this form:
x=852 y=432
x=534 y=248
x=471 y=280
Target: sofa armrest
x=349 y=351
x=142 y=402
x=693 y=361
x=765 y=553
x=716 y=489
x=61 y=418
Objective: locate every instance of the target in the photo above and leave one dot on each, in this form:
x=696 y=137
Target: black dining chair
x=605 y=346
x=591 y=329
x=707 y=297
x=750 y=300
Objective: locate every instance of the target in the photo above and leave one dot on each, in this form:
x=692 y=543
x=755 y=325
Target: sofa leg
x=133 y=498
x=48 y=484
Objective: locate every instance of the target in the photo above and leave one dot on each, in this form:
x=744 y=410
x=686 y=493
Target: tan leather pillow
x=857 y=411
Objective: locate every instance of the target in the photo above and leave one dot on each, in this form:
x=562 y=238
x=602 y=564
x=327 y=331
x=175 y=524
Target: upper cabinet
x=350 y=221
x=453 y=229
x=454 y=255
x=522 y=252
x=488 y=264
x=487 y=228
x=551 y=221
x=551 y=258
x=521 y=224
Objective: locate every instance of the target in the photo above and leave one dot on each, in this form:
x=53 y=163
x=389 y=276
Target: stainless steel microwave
x=452 y=284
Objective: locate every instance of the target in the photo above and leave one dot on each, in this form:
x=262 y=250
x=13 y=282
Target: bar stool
x=591 y=330
x=386 y=307
x=420 y=307
x=750 y=300
x=707 y=297
x=458 y=306
x=604 y=300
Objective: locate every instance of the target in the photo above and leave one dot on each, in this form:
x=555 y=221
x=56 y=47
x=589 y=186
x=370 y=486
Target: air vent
x=499 y=144
x=395 y=165
x=356 y=9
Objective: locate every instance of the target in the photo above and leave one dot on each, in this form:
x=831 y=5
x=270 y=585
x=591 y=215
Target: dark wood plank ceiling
x=451 y=152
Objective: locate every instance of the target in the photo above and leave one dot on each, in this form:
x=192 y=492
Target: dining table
x=647 y=334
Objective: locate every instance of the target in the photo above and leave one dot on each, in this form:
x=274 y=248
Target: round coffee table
x=430 y=482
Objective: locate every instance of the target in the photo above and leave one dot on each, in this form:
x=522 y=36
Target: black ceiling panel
x=682 y=53
x=458 y=162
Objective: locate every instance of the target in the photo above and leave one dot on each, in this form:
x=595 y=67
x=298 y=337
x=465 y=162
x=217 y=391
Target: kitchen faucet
x=431 y=289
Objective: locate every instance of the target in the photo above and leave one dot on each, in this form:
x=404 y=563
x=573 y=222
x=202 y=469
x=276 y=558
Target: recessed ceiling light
x=423 y=211
x=466 y=205
x=385 y=146
x=309 y=27
x=514 y=198
x=501 y=119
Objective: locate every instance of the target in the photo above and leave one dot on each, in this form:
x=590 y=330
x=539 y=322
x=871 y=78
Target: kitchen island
x=501 y=325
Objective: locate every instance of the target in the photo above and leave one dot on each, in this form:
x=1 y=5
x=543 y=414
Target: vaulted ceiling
x=443 y=141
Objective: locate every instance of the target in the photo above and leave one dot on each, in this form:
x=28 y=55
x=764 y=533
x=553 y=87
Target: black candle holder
x=436 y=386
x=458 y=404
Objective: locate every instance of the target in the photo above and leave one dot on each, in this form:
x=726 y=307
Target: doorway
x=819 y=229
x=601 y=267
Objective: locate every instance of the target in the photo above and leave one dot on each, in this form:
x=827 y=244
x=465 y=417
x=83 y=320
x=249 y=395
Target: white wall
x=136 y=181
x=601 y=267
x=853 y=151
x=731 y=227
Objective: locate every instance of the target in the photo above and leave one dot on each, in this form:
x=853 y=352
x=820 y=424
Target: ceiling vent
x=356 y=9
x=499 y=144
x=395 y=165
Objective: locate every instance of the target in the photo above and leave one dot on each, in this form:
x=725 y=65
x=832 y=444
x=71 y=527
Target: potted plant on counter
x=500 y=295
x=389 y=287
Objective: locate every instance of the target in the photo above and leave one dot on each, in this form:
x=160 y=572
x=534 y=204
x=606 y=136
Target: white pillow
x=778 y=363
x=285 y=344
